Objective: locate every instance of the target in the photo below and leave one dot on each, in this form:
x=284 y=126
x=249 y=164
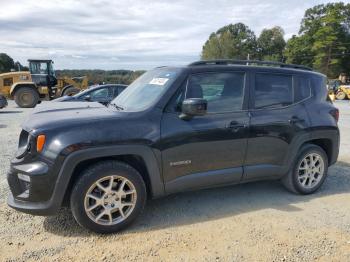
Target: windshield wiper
x=116 y=106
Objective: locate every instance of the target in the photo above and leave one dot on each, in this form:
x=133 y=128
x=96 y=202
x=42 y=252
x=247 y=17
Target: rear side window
x=273 y=91
x=303 y=89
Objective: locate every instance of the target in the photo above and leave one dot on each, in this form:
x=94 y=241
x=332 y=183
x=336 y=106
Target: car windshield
x=145 y=90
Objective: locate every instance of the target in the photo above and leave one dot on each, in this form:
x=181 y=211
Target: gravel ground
x=251 y=222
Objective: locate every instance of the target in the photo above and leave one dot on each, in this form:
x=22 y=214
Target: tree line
x=323 y=41
x=7 y=64
x=97 y=76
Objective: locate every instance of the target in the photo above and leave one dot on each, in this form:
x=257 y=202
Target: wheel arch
x=327 y=139
x=325 y=143
x=18 y=85
x=141 y=158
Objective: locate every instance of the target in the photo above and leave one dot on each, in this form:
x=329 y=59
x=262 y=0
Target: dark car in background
x=101 y=93
x=3 y=101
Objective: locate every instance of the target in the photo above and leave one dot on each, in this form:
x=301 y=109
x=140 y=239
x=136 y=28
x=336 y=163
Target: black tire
x=70 y=91
x=290 y=181
x=93 y=174
x=26 y=97
x=340 y=95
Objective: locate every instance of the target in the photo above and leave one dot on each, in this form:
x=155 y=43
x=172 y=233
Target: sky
x=119 y=34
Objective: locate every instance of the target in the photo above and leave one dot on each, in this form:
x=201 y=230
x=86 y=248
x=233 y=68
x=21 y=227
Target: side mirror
x=193 y=107
x=87 y=98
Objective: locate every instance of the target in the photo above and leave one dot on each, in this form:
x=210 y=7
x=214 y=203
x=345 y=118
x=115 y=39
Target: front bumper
x=33 y=208
x=31 y=188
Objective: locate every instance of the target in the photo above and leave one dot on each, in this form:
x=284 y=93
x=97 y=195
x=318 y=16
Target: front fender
x=73 y=159
x=15 y=85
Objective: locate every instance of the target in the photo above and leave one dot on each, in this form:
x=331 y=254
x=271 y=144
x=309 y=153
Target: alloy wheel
x=110 y=200
x=311 y=170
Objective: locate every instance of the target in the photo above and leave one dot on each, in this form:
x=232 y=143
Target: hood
x=56 y=114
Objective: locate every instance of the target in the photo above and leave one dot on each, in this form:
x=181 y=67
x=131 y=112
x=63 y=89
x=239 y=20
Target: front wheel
x=108 y=197
x=309 y=171
x=26 y=97
x=340 y=95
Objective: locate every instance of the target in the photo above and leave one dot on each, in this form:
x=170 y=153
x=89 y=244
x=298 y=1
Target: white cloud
x=131 y=34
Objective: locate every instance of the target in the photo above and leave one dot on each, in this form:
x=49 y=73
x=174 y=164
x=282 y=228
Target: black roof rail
x=248 y=62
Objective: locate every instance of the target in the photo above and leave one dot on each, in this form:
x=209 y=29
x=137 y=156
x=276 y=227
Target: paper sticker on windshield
x=160 y=81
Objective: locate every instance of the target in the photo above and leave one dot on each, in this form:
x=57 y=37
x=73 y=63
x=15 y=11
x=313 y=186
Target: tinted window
x=99 y=93
x=223 y=91
x=39 y=68
x=273 y=91
x=120 y=89
x=114 y=90
x=303 y=89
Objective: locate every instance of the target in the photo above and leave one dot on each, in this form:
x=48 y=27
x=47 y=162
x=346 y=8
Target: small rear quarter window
x=303 y=89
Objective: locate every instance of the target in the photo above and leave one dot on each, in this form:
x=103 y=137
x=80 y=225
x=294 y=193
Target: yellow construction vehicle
x=343 y=92
x=332 y=86
x=339 y=88
x=39 y=83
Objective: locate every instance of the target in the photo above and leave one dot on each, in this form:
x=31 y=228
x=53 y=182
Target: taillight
x=40 y=142
x=335 y=114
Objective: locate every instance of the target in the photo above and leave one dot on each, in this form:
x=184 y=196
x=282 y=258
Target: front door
x=207 y=150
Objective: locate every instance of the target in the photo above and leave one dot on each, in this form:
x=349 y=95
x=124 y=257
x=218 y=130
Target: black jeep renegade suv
x=209 y=124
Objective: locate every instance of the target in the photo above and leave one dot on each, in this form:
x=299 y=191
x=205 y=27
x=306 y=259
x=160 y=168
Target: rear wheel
x=26 y=97
x=108 y=197
x=70 y=91
x=309 y=171
x=340 y=95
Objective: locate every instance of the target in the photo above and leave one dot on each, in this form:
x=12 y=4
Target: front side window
x=146 y=90
x=51 y=69
x=273 y=91
x=99 y=94
x=39 y=68
x=223 y=91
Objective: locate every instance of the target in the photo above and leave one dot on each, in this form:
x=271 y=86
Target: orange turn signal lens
x=40 y=142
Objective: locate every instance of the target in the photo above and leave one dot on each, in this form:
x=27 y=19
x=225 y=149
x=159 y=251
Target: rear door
x=278 y=121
